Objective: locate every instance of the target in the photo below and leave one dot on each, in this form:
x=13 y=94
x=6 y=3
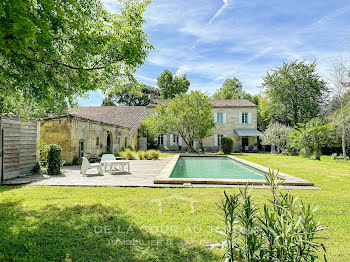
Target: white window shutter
x=216 y=140
x=171 y=140
x=194 y=144
x=164 y=140
x=224 y=118
x=215 y=117
x=180 y=140
x=240 y=117
x=249 y=118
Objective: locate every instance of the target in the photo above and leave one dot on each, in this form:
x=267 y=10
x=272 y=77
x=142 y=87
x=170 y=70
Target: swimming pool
x=215 y=168
x=219 y=170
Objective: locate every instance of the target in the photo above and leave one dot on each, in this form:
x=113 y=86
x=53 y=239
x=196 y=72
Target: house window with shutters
x=175 y=139
x=244 y=118
x=219 y=118
x=161 y=140
x=219 y=139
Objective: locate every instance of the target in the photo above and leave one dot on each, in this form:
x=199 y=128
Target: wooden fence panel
x=20 y=140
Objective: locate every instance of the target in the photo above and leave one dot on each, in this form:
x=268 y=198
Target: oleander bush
x=284 y=230
x=54 y=160
x=227 y=145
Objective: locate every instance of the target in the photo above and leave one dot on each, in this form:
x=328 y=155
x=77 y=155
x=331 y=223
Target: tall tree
x=131 y=95
x=295 y=92
x=231 y=89
x=53 y=51
x=189 y=116
x=340 y=78
x=171 y=86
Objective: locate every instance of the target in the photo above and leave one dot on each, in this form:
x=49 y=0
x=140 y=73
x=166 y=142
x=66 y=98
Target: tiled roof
x=214 y=102
x=232 y=103
x=124 y=116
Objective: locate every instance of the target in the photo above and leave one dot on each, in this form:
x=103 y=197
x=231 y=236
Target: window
x=244 y=118
x=160 y=140
x=219 y=139
x=219 y=118
x=175 y=139
x=97 y=141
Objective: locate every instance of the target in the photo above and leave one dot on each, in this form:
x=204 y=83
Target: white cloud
x=222 y=8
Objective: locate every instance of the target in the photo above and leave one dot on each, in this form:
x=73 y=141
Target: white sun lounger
x=86 y=165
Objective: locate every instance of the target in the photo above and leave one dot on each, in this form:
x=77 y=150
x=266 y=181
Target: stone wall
x=69 y=132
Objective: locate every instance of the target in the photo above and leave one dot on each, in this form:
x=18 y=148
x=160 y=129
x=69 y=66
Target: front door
x=245 y=143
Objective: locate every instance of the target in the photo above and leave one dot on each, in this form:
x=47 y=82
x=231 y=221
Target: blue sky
x=217 y=39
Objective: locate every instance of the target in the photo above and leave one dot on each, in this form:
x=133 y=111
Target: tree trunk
x=343 y=138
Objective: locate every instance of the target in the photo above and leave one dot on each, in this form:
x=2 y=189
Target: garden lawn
x=40 y=223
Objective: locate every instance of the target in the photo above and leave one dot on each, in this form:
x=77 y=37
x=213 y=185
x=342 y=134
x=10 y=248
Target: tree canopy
x=295 y=92
x=53 y=51
x=131 y=94
x=313 y=136
x=231 y=89
x=189 y=115
x=170 y=85
x=275 y=134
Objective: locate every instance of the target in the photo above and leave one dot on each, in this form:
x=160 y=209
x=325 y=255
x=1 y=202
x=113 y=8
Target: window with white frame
x=219 y=118
x=219 y=139
x=160 y=140
x=175 y=139
x=244 y=118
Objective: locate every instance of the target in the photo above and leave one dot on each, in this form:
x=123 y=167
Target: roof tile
x=124 y=116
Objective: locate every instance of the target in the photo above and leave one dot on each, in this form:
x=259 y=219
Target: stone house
x=87 y=131
x=235 y=118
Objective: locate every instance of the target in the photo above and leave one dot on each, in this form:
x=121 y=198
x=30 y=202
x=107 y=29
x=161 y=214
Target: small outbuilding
x=18 y=144
x=92 y=130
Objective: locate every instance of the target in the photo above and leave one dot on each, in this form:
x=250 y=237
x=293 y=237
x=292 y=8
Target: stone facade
x=231 y=121
x=80 y=137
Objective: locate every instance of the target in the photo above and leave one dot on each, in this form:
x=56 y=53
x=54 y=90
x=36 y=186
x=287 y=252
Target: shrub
x=130 y=155
x=334 y=156
x=227 y=145
x=140 y=154
x=54 y=159
x=154 y=154
x=36 y=170
x=284 y=230
x=147 y=155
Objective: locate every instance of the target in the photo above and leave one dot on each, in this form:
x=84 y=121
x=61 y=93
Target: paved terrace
x=142 y=174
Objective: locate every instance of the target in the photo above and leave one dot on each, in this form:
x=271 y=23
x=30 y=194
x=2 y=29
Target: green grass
x=39 y=223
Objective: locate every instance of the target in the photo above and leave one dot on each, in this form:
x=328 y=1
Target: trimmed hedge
x=54 y=160
x=227 y=145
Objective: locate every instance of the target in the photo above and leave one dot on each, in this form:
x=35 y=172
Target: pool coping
x=164 y=177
